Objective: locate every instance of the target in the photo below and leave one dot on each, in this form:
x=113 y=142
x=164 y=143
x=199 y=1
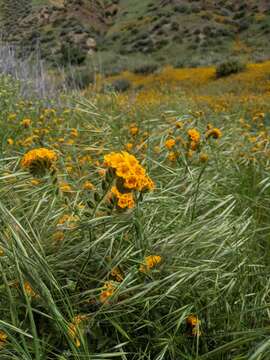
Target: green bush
x=80 y=78
x=146 y=69
x=119 y=85
x=72 y=54
x=229 y=67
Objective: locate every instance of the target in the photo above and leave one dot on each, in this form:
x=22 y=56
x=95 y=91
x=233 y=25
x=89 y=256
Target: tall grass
x=210 y=227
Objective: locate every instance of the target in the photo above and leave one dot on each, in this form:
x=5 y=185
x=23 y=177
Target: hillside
x=179 y=32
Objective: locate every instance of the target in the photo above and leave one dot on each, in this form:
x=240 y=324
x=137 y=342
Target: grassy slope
x=208 y=221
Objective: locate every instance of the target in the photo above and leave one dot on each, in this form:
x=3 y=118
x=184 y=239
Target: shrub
x=179 y=64
x=229 y=67
x=146 y=69
x=80 y=78
x=119 y=85
x=71 y=54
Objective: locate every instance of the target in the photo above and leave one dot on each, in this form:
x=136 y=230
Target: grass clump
x=119 y=85
x=136 y=225
x=229 y=67
x=80 y=78
x=146 y=69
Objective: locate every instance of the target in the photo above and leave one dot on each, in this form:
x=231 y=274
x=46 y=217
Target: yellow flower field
x=136 y=225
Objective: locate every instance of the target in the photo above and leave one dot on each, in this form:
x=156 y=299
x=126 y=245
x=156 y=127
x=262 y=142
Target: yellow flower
x=38 y=160
x=127 y=168
x=10 y=141
x=3 y=339
x=74 y=132
x=58 y=236
x=172 y=156
x=26 y=123
x=204 y=157
x=101 y=172
x=29 y=290
x=129 y=146
x=68 y=220
x=109 y=290
x=2 y=253
x=193 y=323
x=170 y=144
x=193 y=145
x=74 y=328
x=117 y=274
x=214 y=133
x=87 y=185
x=125 y=200
x=150 y=262
x=190 y=154
x=179 y=124
x=133 y=130
x=84 y=159
x=65 y=187
x=35 y=182
x=194 y=135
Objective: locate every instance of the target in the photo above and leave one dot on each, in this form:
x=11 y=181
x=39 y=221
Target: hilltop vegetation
x=178 y=32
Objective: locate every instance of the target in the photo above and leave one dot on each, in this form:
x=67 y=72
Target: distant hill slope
x=175 y=31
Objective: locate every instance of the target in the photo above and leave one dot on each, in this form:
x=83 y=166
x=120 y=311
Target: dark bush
x=119 y=85
x=229 y=67
x=145 y=69
x=179 y=64
x=80 y=79
x=72 y=55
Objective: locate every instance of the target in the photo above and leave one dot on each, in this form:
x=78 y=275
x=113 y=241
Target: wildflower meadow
x=135 y=225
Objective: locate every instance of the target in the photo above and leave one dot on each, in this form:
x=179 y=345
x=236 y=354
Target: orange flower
x=3 y=339
x=129 y=146
x=204 y=157
x=127 y=168
x=150 y=262
x=74 y=328
x=214 y=133
x=194 y=135
x=74 y=132
x=87 y=185
x=58 y=236
x=26 y=123
x=29 y=290
x=172 y=156
x=170 y=143
x=133 y=130
x=193 y=323
x=117 y=274
x=65 y=187
x=109 y=290
x=39 y=158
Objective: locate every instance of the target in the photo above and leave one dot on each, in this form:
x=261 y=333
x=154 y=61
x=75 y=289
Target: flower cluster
x=194 y=138
x=130 y=176
x=125 y=200
x=38 y=160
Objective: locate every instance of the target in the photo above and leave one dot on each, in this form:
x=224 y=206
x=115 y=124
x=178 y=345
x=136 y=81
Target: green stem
x=197 y=192
x=90 y=233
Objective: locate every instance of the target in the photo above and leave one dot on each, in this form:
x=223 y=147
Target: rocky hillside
x=175 y=31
